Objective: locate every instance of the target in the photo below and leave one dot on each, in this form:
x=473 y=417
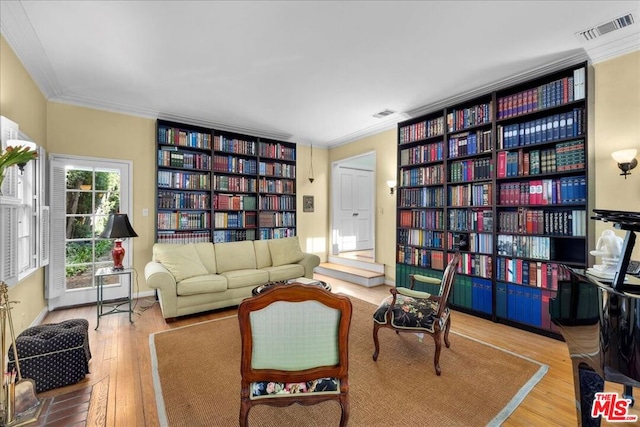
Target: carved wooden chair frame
x=439 y=321
x=294 y=293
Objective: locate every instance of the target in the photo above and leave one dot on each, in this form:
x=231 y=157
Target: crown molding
x=16 y=28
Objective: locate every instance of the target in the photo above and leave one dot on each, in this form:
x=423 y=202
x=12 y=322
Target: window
x=24 y=217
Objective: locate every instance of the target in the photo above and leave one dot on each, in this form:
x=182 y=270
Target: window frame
x=24 y=210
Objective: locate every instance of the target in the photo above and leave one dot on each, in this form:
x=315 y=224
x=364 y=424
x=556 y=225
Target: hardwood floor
x=122 y=389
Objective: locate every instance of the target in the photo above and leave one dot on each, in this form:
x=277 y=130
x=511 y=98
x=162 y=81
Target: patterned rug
x=197 y=380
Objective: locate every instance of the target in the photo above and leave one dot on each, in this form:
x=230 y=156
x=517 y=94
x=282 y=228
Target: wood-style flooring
x=119 y=390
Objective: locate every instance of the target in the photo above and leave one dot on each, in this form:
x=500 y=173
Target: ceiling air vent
x=384 y=113
x=605 y=28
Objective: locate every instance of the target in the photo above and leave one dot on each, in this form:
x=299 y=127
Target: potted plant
x=15 y=155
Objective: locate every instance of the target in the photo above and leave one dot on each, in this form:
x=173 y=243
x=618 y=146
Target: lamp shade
x=118 y=227
x=624 y=156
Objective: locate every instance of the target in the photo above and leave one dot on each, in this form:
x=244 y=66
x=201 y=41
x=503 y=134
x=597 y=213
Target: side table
x=114 y=307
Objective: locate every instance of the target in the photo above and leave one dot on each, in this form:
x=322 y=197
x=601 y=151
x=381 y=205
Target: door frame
x=56 y=294
x=364 y=161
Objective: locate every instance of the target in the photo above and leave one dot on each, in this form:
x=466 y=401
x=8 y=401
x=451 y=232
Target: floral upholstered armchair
x=294 y=348
x=408 y=310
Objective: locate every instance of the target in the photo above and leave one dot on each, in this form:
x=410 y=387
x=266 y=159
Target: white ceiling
x=305 y=71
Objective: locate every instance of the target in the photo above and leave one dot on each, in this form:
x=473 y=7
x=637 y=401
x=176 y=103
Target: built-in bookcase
x=184 y=179
x=277 y=188
x=220 y=186
x=507 y=172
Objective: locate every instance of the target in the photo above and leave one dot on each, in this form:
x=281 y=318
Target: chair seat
x=410 y=313
x=266 y=389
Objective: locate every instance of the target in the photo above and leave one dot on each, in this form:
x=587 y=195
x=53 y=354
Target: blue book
x=556 y=126
x=487 y=285
x=525 y=312
x=538 y=132
x=501 y=300
x=520 y=309
x=521 y=128
x=511 y=303
x=525 y=272
x=582 y=195
x=476 y=295
x=563 y=125
x=536 y=307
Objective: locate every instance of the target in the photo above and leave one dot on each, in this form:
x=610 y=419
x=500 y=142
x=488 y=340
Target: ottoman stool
x=53 y=355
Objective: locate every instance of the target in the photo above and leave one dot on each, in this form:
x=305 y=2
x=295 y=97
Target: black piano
x=600 y=322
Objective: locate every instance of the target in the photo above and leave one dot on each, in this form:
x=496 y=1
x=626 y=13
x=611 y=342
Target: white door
x=83 y=194
x=355 y=202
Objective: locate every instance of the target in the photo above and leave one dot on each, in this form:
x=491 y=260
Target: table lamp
x=118 y=227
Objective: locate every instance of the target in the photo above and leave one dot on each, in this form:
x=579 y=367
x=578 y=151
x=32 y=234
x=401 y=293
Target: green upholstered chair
x=294 y=348
x=408 y=310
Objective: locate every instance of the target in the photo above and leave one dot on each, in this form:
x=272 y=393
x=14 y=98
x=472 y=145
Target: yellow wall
x=384 y=144
x=312 y=225
x=616 y=127
x=22 y=102
x=93 y=133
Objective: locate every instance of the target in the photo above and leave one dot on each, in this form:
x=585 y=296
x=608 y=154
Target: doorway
x=353 y=212
x=83 y=194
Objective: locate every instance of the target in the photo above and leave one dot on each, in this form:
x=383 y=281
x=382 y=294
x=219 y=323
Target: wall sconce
x=626 y=160
x=311 y=178
x=392 y=184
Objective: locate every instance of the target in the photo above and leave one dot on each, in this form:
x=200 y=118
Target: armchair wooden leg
x=376 y=343
x=436 y=356
x=344 y=418
x=446 y=332
x=244 y=413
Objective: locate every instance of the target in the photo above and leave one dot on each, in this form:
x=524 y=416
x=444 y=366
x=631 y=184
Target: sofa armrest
x=158 y=277
x=309 y=262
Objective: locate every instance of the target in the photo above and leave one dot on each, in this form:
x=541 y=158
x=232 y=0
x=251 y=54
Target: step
x=364 y=265
x=358 y=276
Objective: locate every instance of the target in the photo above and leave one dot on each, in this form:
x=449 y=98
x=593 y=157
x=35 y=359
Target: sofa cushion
x=202 y=285
x=285 y=272
x=242 y=278
x=263 y=256
x=235 y=256
x=181 y=260
x=285 y=251
x=207 y=256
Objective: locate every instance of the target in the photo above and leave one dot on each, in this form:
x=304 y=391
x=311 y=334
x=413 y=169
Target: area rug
x=196 y=372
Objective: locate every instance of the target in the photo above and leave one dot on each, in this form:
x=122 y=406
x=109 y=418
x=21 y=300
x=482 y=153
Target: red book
x=519 y=271
x=502 y=164
x=543 y=276
x=530 y=221
x=546 y=320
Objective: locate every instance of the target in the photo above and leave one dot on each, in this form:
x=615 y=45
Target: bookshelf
x=184 y=176
x=507 y=171
x=277 y=188
x=221 y=186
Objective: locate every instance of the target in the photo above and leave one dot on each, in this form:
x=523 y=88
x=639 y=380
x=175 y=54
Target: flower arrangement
x=18 y=155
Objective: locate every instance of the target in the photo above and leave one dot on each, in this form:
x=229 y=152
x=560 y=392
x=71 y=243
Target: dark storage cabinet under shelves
x=506 y=171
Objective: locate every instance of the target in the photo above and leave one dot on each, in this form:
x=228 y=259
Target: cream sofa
x=197 y=277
